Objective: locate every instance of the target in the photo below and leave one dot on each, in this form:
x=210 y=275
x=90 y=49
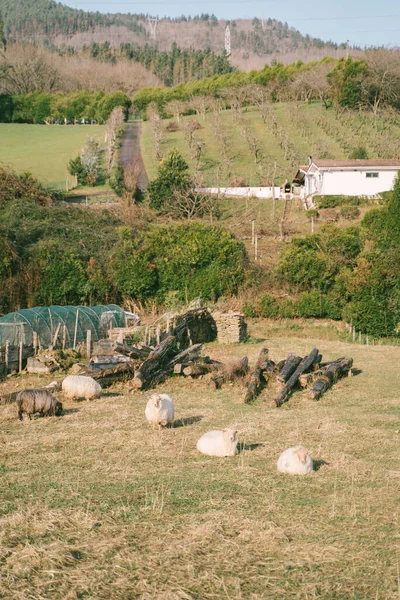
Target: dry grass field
x=96 y=504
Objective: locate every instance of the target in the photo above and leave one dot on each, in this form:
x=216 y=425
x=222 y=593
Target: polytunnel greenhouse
x=61 y=326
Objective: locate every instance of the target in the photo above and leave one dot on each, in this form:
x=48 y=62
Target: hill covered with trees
x=254 y=42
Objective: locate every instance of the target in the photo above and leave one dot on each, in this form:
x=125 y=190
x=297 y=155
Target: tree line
x=371 y=83
x=24 y=19
x=42 y=108
x=172 y=67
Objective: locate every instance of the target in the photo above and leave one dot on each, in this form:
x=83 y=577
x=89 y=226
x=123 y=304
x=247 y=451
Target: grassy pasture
x=97 y=505
x=44 y=150
x=310 y=128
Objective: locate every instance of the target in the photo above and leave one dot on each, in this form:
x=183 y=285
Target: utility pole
x=153 y=27
x=228 y=41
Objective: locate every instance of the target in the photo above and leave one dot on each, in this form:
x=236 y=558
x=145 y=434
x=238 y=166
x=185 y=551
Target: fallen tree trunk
x=132 y=352
x=218 y=379
x=200 y=369
x=257 y=380
x=291 y=364
x=159 y=361
x=331 y=374
x=303 y=367
x=188 y=355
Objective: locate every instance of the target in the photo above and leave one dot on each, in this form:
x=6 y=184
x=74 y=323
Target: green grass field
x=98 y=505
x=44 y=150
x=310 y=128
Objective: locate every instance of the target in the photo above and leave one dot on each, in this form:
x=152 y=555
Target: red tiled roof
x=338 y=164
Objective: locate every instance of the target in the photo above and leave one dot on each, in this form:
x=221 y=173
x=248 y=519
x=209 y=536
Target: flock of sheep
x=160 y=412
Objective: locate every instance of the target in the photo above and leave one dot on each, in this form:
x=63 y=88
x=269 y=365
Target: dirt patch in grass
x=97 y=505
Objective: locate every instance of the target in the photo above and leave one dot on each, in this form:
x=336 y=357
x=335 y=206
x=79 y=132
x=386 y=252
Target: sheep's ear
x=235 y=434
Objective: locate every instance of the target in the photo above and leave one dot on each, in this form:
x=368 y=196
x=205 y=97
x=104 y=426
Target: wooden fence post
x=64 y=337
x=76 y=327
x=89 y=343
x=35 y=343
x=21 y=347
x=7 y=354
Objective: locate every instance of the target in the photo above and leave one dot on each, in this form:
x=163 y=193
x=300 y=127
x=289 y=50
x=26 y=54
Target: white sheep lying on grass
x=160 y=410
x=219 y=443
x=79 y=386
x=295 y=461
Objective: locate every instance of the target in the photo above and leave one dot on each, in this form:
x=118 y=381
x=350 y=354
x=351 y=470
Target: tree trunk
x=291 y=364
x=158 y=360
x=303 y=367
x=331 y=374
x=257 y=380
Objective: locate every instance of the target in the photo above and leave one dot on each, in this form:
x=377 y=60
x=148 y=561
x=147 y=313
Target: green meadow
x=44 y=150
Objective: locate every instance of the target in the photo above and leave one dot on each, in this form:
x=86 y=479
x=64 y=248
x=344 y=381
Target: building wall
x=350 y=183
x=245 y=192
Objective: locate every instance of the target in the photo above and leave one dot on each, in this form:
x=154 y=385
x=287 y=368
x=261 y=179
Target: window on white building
x=372 y=174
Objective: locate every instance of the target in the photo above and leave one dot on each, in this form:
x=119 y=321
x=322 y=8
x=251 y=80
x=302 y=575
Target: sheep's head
x=58 y=409
x=302 y=454
x=231 y=434
x=156 y=400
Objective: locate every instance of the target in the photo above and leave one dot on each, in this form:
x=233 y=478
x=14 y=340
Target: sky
x=362 y=22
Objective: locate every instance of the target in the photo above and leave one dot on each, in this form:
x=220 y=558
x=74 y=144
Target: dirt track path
x=130 y=150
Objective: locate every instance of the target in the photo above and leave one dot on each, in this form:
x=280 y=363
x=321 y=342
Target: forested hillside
x=254 y=42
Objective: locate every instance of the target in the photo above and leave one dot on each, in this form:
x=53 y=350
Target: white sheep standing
x=295 y=461
x=219 y=443
x=160 y=410
x=80 y=386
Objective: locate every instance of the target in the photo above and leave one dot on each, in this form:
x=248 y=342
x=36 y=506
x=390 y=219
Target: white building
x=346 y=177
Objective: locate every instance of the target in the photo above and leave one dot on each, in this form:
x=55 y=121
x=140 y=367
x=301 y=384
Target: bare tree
x=26 y=69
x=191 y=204
x=176 y=108
x=156 y=124
x=113 y=126
x=382 y=83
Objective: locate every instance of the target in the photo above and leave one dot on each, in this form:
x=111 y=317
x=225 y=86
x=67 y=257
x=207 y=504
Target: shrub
x=192 y=260
x=349 y=212
x=237 y=182
x=335 y=201
x=172 y=175
x=249 y=310
x=318 y=305
x=172 y=126
x=359 y=153
x=269 y=306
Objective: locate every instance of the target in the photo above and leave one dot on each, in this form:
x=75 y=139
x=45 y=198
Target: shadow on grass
x=254 y=340
x=318 y=464
x=186 y=421
x=69 y=411
x=355 y=372
x=248 y=447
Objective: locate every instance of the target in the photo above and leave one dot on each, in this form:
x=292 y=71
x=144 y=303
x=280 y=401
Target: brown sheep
x=38 y=401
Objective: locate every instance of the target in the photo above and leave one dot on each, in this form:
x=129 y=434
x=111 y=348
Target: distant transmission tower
x=263 y=24
x=228 y=41
x=153 y=27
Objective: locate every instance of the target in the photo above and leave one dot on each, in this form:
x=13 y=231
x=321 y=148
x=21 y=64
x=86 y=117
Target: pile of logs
x=295 y=372
x=143 y=366
x=231 y=327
